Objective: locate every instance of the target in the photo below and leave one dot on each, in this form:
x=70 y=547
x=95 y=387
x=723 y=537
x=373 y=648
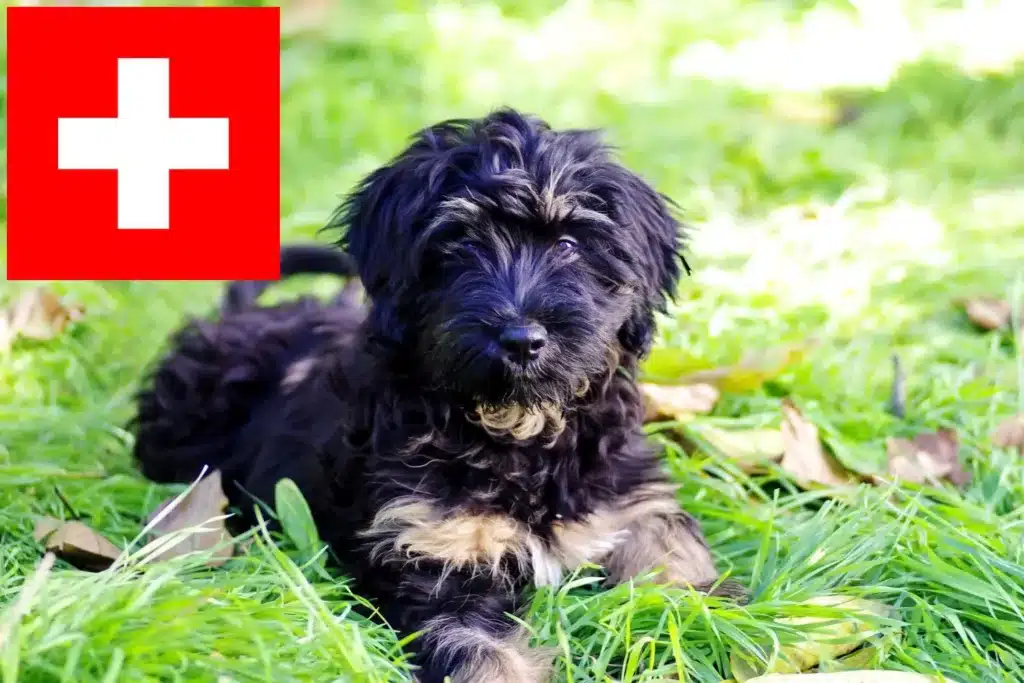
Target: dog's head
x=511 y=259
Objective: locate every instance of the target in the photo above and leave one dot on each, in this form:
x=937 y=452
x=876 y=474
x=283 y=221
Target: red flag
x=143 y=143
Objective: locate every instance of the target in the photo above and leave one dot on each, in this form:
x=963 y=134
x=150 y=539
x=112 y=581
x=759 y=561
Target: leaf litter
x=669 y=365
x=796 y=446
x=200 y=511
x=1010 y=434
x=804 y=456
x=677 y=402
x=76 y=543
x=927 y=458
x=988 y=313
x=827 y=639
x=37 y=314
x=860 y=676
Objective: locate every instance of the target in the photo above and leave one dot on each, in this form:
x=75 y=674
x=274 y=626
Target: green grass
x=862 y=235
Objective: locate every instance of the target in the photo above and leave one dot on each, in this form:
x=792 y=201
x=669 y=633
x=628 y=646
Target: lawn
x=851 y=170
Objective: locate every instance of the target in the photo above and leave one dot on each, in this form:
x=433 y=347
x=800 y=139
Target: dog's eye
x=565 y=245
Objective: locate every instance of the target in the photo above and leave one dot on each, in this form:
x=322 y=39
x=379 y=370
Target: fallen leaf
x=804 y=109
x=803 y=456
x=988 y=313
x=300 y=16
x=201 y=506
x=677 y=402
x=37 y=314
x=864 y=676
x=1010 y=434
x=76 y=544
x=868 y=655
x=927 y=458
x=752 y=371
x=749 y=448
x=833 y=638
x=666 y=364
x=297 y=522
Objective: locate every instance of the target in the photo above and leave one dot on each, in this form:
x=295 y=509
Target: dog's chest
x=466 y=500
x=500 y=518
x=535 y=486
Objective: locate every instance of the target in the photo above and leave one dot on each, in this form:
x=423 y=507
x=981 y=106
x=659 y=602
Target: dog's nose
x=523 y=343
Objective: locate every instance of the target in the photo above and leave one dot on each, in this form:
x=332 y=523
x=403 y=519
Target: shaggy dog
x=477 y=427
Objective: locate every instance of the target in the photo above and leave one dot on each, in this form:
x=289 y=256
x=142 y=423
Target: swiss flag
x=143 y=143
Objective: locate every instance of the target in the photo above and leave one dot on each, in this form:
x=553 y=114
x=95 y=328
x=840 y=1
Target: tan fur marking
x=297 y=373
x=662 y=536
x=522 y=423
x=643 y=532
x=490 y=659
x=647 y=530
x=409 y=528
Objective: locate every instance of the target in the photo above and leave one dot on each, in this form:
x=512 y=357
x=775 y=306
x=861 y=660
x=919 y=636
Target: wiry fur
x=444 y=477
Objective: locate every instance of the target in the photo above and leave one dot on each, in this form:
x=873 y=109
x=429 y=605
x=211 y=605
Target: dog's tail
x=296 y=259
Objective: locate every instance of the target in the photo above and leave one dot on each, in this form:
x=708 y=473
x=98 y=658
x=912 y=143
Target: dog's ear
x=657 y=241
x=379 y=221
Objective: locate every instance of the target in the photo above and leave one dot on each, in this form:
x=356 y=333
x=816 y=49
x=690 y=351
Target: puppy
x=477 y=427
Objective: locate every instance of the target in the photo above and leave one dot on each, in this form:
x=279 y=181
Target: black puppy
x=477 y=427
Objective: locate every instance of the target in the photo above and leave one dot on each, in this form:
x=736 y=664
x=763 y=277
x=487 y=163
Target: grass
x=861 y=233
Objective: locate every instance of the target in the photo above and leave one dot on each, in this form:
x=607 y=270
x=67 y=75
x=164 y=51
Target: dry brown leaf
x=203 y=503
x=988 y=313
x=804 y=457
x=927 y=458
x=749 y=448
x=37 y=314
x=677 y=402
x=1010 y=433
x=76 y=543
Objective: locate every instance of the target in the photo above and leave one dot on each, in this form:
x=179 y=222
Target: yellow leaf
x=868 y=676
x=805 y=109
x=752 y=371
x=804 y=457
x=666 y=364
x=679 y=403
x=832 y=639
x=749 y=448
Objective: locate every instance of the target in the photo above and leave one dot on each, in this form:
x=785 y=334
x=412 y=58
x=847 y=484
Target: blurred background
x=849 y=167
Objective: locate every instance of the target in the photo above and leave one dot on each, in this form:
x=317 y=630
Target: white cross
x=143 y=144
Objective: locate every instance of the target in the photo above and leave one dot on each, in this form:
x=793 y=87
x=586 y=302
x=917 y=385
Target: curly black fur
x=445 y=473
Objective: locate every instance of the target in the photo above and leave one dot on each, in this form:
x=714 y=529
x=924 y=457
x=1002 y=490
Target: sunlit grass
x=849 y=171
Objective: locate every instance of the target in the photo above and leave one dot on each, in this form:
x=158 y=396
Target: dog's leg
x=466 y=633
x=669 y=540
x=455 y=577
x=655 y=534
